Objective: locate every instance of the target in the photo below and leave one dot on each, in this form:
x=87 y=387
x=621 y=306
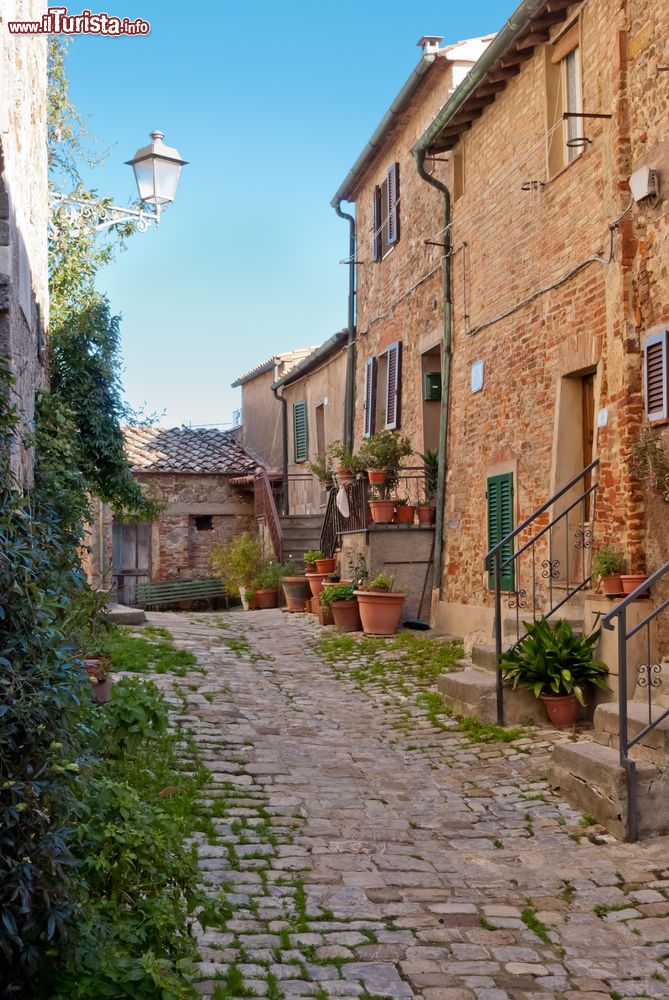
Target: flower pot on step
x=426 y=515
x=316 y=581
x=405 y=514
x=325 y=566
x=346 y=616
x=380 y=611
x=310 y=568
x=267 y=597
x=630 y=581
x=561 y=708
x=377 y=477
x=297 y=591
x=382 y=511
x=344 y=477
x=612 y=585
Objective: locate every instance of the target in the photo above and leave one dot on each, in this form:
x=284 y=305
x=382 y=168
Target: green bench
x=175 y=591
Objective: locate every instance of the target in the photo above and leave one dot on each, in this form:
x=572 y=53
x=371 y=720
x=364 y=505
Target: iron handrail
x=547 y=527
x=265 y=506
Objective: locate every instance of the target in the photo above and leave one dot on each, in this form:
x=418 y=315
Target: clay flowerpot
x=316 y=581
x=561 y=708
x=310 y=568
x=426 y=515
x=297 y=591
x=382 y=511
x=267 y=597
x=612 y=585
x=380 y=611
x=377 y=477
x=631 y=581
x=324 y=615
x=405 y=514
x=325 y=566
x=325 y=484
x=344 y=477
x=101 y=690
x=346 y=615
x=98 y=665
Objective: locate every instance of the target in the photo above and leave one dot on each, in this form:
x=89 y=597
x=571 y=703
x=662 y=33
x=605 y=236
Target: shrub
x=340 y=592
x=608 y=562
x=312 y=555
x=344 y=459
x=385 y=450
x=238 y=561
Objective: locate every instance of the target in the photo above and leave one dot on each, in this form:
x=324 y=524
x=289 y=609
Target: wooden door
x=588 y=430
x=131 y=558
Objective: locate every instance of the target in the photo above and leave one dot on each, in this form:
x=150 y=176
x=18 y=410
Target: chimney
x=430 y=44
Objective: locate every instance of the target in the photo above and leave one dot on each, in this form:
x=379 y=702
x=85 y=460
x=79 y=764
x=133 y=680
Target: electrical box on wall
x=432 y=386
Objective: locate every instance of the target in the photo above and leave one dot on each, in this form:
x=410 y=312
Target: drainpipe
x=445 y=374
x=284 y=426
x=350 y=357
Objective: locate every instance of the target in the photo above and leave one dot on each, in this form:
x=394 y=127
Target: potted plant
x=320 y=468
x=427 y=511
x=346 y=464
x=380 y=606
x=239 y=562
x=310 y=557
x=266 y=587
x=295 y=587
x=607 y=567
x=630 y=582
x=381 y=455
x=405 y=512
x=341 y=601
x=325 y=565
x=557 y=665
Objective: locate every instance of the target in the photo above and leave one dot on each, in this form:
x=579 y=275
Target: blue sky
x=271 y=104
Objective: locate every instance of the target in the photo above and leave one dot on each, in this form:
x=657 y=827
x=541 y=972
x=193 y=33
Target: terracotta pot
x=324 y=615
x=612 y=585
x=325 y=484
x=370 y=515
x=101 y=689
x=380 y=611
x=377 y=477
x=344 y=477
x=98 y=665
x=335 y=583
x=316 y=581
x=267 y=597
x=382 y=511
x=426 y=514
x=346 y=615
x=297 y=591
x=405 y=514
x=326 y=566
x=310 y=568
x=561 y=708
x=631 y=581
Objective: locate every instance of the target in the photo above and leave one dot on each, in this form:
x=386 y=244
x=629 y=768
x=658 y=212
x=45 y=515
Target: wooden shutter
x=300 y=432
x=656 y=377
x=377 y=215
x=393 y=386
x=369 y=404
x=500 y=524
x=392 y=207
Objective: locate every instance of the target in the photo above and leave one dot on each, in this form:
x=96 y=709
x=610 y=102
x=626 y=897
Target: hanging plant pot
x=631 y=581
x=325 y=566
x=346 y=615
x=426 y=515
x=561 y=708
x=404 y=514
x=377 y=477
x=382 y=511
x=612 y=585
x=380 y=611
x=316 y=581
x=297 y=591
x=267 y=597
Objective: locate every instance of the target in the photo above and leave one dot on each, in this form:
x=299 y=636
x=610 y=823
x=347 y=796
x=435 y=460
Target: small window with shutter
x=393 y=204
x=386 y=213
x=656 y=378
x=500 y=524
x=369 y=404
x=393 y=386
x=300 y=432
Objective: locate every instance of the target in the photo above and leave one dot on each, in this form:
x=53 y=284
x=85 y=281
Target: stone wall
x=23 y=217
x=261 y=432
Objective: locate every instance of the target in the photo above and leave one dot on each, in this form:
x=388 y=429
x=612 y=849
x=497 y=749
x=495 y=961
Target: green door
x=500 y=524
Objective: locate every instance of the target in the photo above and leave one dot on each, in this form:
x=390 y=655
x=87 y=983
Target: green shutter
x=300 y=432
x=500 y=523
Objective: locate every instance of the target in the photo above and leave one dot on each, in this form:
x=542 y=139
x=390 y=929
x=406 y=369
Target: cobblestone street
x=358 y=850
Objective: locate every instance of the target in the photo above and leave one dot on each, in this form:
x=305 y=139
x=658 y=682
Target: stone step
x=483 y=655
x=509 y=625
x=471 y=691
x=589 y=776
x=652 y=748
x=301 y=521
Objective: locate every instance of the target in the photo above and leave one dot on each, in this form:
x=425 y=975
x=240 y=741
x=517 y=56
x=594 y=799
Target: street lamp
x=157 y=169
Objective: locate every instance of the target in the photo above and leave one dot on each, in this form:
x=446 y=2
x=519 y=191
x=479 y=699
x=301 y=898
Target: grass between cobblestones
x=152 y=651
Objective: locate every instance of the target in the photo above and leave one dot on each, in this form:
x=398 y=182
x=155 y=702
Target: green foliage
x=312 y=555
x=320 y=467
x=608 y=562
x=431 y=471
x=289 y=568
x=343 y=459
x=340 y=592
x=136 y=714
x=147 y=652
x=269 y=577
x=238 y=561
x=382 y=583
x=553 y=659
x=385 y=450
x=650 y=463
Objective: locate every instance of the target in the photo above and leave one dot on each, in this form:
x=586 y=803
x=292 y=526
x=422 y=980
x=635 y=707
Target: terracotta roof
x=182 y=449
x=287 y=360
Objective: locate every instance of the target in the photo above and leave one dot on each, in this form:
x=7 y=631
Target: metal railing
x=649 y=677
x=265 y=510
x=544 y=562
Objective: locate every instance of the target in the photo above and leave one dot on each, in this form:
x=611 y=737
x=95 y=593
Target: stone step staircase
x=300 y=532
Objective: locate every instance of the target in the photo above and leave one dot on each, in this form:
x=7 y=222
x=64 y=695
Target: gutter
x=284 y=457
x=350 y=359
x=504 y=38
x=307 y=363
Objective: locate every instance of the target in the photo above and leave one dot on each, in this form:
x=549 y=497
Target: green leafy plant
x=381 y=583
x=238 y=561
x=340 y=592
x=290 y=568
x=321 y=468
x=312 y=555
x=269 y=577
x=552 y=659
x=342 y=458
x=431 y=471
x=385 y=450
x=650 y=463
x=608 y=562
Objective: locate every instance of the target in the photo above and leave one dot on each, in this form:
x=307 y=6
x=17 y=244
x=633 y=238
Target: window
x=500 y=524
x=564 y=96
x=386 y=213
x=204 y=522
x=383 y=390
x=656 y=377
x=300 y=432
x=458 y=173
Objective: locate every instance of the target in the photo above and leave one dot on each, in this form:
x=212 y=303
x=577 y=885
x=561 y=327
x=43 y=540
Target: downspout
x=350 y=357
x=445 y=377
x=284 y=423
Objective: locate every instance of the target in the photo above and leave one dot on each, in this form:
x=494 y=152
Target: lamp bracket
x=95 y=215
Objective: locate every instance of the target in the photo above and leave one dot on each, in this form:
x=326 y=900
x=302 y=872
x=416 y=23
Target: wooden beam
x=558 y=5
x=498 y=75
x=480 y=100
x=531 y=39
x=515 y=58
x=545 y=21
x=465 y=118
x=490 y=88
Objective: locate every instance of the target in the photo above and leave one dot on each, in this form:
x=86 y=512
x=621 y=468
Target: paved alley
x=357 y=850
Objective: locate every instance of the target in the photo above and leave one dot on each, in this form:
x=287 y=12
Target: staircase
x=299 y=533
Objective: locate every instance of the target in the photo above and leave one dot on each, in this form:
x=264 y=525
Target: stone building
x=24 y=305
x=191 y=472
